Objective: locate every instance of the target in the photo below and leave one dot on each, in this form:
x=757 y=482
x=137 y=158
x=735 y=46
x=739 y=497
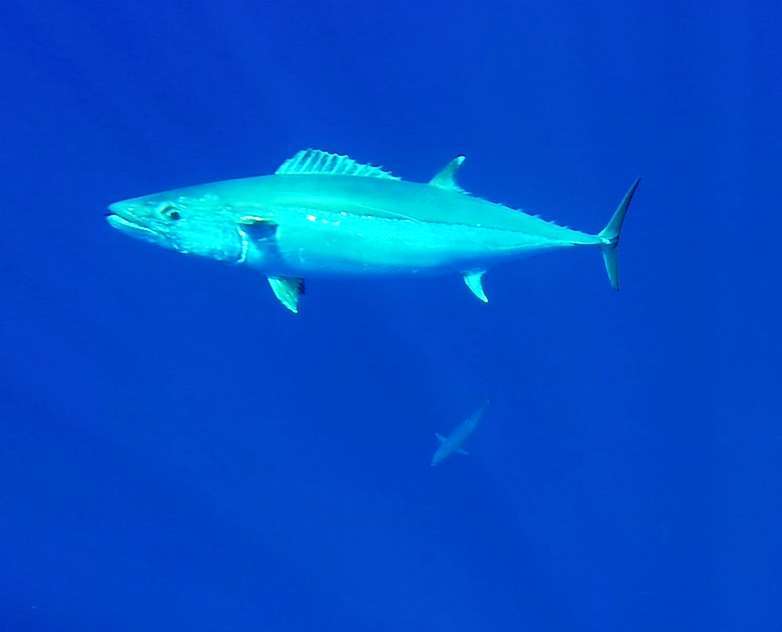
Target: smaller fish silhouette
x=453 y=442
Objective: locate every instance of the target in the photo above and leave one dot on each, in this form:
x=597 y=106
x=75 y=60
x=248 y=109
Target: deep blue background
x=177 y=452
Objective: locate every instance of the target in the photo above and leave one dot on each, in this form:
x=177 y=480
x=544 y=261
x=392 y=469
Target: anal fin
x=287 y=290
x=474 y=281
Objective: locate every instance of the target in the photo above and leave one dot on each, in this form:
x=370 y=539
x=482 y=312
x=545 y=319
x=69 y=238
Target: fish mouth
x=127 y=225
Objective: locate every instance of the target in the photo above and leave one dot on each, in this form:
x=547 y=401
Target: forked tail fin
x=610 y=236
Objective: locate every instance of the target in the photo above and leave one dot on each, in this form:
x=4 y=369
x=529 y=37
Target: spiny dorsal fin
x=317 y=162
x=474 y=281
x=446 y=177
x=287 y=290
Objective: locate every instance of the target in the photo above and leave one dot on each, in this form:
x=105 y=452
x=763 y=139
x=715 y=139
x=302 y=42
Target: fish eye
x=171 y=212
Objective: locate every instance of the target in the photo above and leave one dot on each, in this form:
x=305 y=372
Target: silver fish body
x=326 y=215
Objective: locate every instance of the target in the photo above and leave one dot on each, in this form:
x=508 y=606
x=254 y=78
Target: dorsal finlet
x=446 y=177
x=317 y=162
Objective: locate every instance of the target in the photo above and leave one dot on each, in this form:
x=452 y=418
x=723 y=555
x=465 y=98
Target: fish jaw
x=119 y=218
x=174 y=222
x=128 y=226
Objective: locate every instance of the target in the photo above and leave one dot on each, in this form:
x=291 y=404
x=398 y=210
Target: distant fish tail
x=610 y=235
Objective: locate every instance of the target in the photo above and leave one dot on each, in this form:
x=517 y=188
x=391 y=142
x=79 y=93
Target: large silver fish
x=324 y=214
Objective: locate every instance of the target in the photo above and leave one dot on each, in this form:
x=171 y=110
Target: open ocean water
x=178 y=452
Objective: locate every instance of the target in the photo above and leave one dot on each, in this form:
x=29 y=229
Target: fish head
x=187 y=223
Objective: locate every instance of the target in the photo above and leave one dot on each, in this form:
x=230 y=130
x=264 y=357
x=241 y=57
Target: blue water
x=177 y=452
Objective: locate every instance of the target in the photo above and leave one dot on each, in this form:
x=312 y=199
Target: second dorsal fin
x=317 y=162
x=446 y=177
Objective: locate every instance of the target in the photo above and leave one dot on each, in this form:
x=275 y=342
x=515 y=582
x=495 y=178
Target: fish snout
x=118 y=208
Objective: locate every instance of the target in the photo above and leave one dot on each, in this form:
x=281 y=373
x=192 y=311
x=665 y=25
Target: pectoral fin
x=257 y=228
x=474 y=281
x=440 y=438
x=461 y=451
x=287 y=290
